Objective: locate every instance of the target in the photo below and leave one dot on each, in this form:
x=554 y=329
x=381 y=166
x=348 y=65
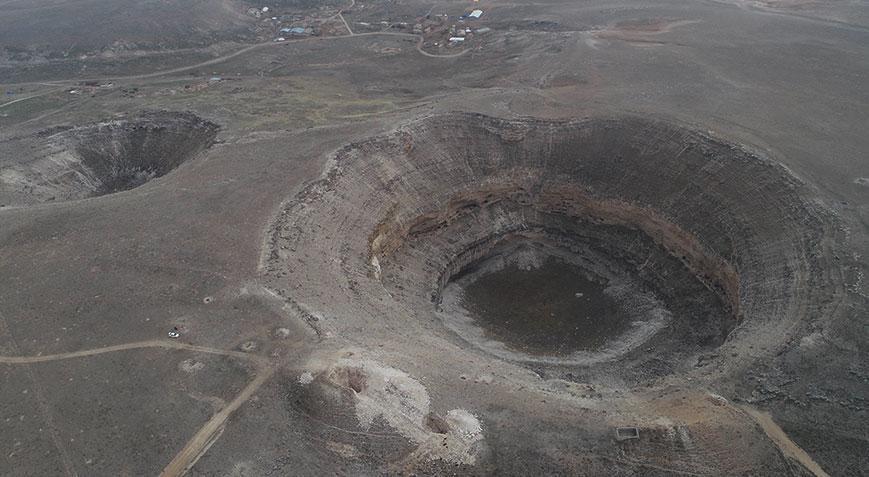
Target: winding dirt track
x=247 y=49
x=127 y=346
x=229 y=56
x=37 y=95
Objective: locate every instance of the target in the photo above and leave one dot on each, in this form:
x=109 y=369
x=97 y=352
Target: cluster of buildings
x=459 y=34
x=430 y=25
x=455 y=34
x=285 y=31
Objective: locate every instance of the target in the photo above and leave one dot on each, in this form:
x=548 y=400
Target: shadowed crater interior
x=548 y=307
x=68 y=163
x=574 y=242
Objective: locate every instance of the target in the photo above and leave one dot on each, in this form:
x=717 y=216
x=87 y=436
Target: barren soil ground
x=274 y=374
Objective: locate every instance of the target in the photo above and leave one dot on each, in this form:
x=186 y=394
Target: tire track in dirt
x=41 y=404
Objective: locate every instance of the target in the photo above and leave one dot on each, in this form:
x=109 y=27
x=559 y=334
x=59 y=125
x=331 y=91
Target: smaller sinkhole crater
x=69 y=163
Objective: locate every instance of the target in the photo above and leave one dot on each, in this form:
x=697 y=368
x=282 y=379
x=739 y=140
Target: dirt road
x=127 y=346
x=37 y=95
x=212 y=429
x=788 y=447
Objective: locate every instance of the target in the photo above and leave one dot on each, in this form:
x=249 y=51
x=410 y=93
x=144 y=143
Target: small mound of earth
x=377 y=394
x=68 y=163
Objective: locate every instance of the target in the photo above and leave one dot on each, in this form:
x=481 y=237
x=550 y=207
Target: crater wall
x=68 y=163
x=731 y=242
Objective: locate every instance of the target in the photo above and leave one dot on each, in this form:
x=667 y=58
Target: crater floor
x=546 y=308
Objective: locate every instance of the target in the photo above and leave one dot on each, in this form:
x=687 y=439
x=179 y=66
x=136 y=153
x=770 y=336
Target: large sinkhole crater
x=67 y=163
x=573 y=242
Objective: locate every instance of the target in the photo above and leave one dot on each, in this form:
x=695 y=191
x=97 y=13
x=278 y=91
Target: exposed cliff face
x=717 y=236
x=98 y=159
